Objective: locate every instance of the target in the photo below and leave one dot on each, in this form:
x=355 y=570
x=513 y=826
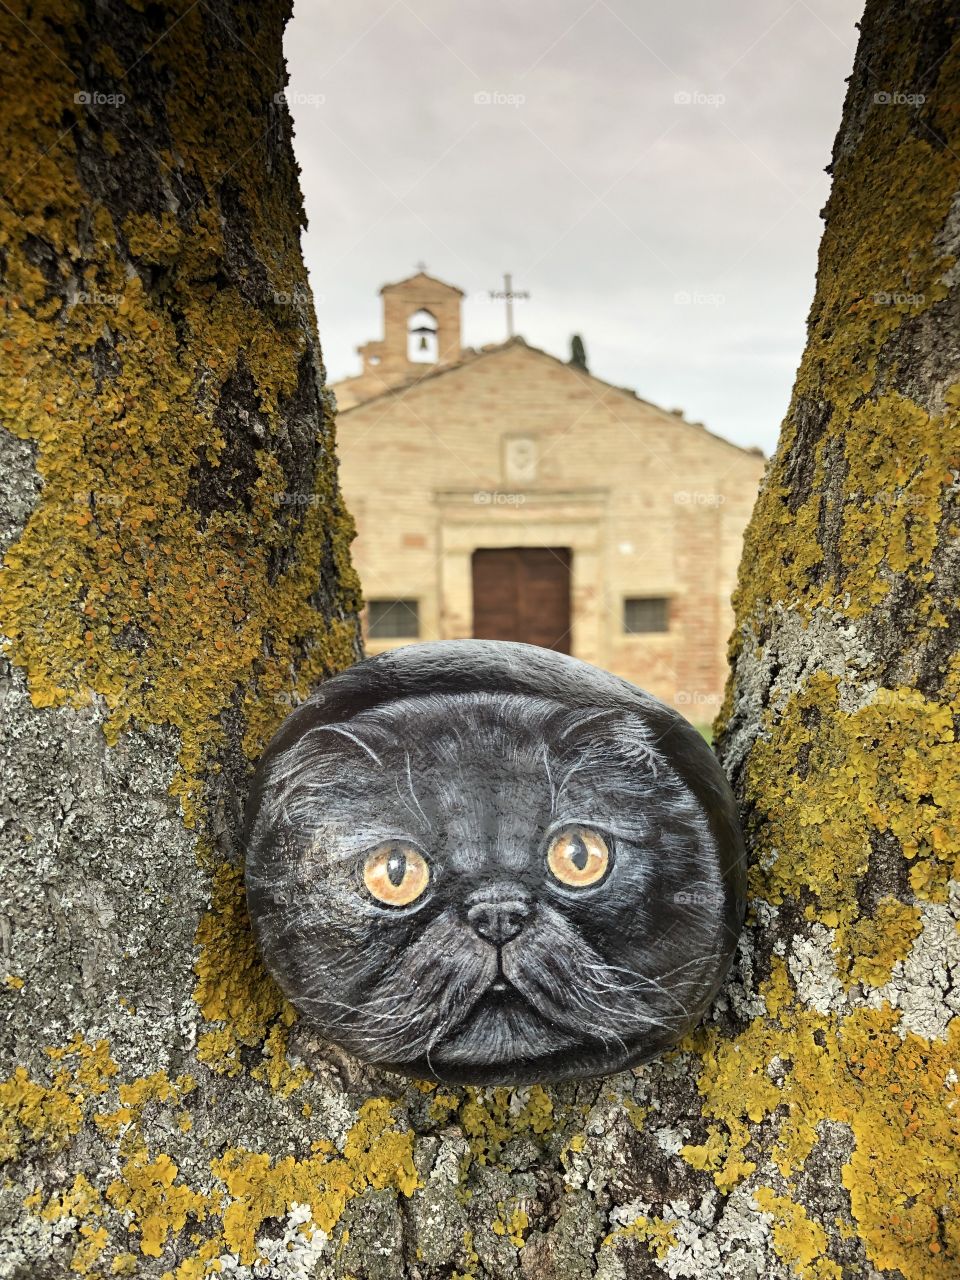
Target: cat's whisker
x=545 y=756
x=403 y=799
x=638 y=984
x=696 y=962
x=413 y=794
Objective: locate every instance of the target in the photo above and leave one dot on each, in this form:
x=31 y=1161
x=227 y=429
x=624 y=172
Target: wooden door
x=523 y=593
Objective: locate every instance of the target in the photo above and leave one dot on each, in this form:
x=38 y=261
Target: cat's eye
x=396 y=874
x=578 y=857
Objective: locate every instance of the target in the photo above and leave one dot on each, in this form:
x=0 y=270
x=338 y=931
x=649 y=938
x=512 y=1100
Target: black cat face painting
x=488 y=863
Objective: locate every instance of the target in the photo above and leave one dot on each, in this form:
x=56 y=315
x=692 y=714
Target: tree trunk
x=840 y=722
x=176 y=575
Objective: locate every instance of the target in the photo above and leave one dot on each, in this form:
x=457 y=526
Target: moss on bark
x=841 y=714
x=177 y=574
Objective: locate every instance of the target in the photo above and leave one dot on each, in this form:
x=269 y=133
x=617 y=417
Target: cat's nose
x=499 y=919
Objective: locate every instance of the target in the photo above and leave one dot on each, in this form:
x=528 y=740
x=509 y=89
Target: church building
x=505 y=493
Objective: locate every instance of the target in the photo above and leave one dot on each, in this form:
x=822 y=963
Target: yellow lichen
x=637 y=1114
x=871 y=947
x=235 y=991
x=511 y=1223
x=888 y=768
x=134 y=1097
x=376 y=1154
x=158 y=1203
x=118 y=586
x=93 y=1241
x=658 y=1234
x=489 y=1122
x=722 y=1154
x=834 y=780
x=881 y=241
x=797 y=1239
x=155 y=1202
x=276 y=1070
x=472 y=1258
x=899 y=1096
x=442 y=1105
x=81 y=1201
x=53 y=1112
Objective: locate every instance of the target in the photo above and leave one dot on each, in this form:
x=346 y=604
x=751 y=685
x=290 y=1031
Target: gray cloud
x=652 y=174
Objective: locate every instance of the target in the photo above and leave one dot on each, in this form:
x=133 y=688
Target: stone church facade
x=504 y=493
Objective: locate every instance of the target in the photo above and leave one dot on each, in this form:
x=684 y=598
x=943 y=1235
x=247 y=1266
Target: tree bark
x=176 y=574
x=839 y=730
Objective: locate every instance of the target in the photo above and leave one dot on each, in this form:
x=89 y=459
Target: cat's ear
x=636 y=743
x=289 y=796
x=599 y=730
x=326 y=747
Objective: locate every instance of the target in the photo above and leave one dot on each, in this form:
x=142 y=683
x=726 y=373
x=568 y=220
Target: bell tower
x=421 y=331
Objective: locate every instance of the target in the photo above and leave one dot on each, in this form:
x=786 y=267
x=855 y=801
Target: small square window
x=642 y=614
x=393 y=619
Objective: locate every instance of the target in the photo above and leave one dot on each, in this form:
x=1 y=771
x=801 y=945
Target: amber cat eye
x=396 y=874
x=578 y=857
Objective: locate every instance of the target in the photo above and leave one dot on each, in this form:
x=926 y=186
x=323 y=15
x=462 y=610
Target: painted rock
x=490 y=863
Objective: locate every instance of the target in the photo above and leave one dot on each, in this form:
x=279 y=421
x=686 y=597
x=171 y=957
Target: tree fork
x=176 y=574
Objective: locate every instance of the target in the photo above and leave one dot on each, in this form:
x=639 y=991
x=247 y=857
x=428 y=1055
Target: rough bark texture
x=176 y=574
x=841 y=717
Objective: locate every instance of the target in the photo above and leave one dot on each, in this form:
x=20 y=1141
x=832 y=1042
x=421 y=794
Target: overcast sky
x=651 y=173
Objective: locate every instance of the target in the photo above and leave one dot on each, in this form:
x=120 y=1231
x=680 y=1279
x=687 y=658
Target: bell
x=423 y=342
